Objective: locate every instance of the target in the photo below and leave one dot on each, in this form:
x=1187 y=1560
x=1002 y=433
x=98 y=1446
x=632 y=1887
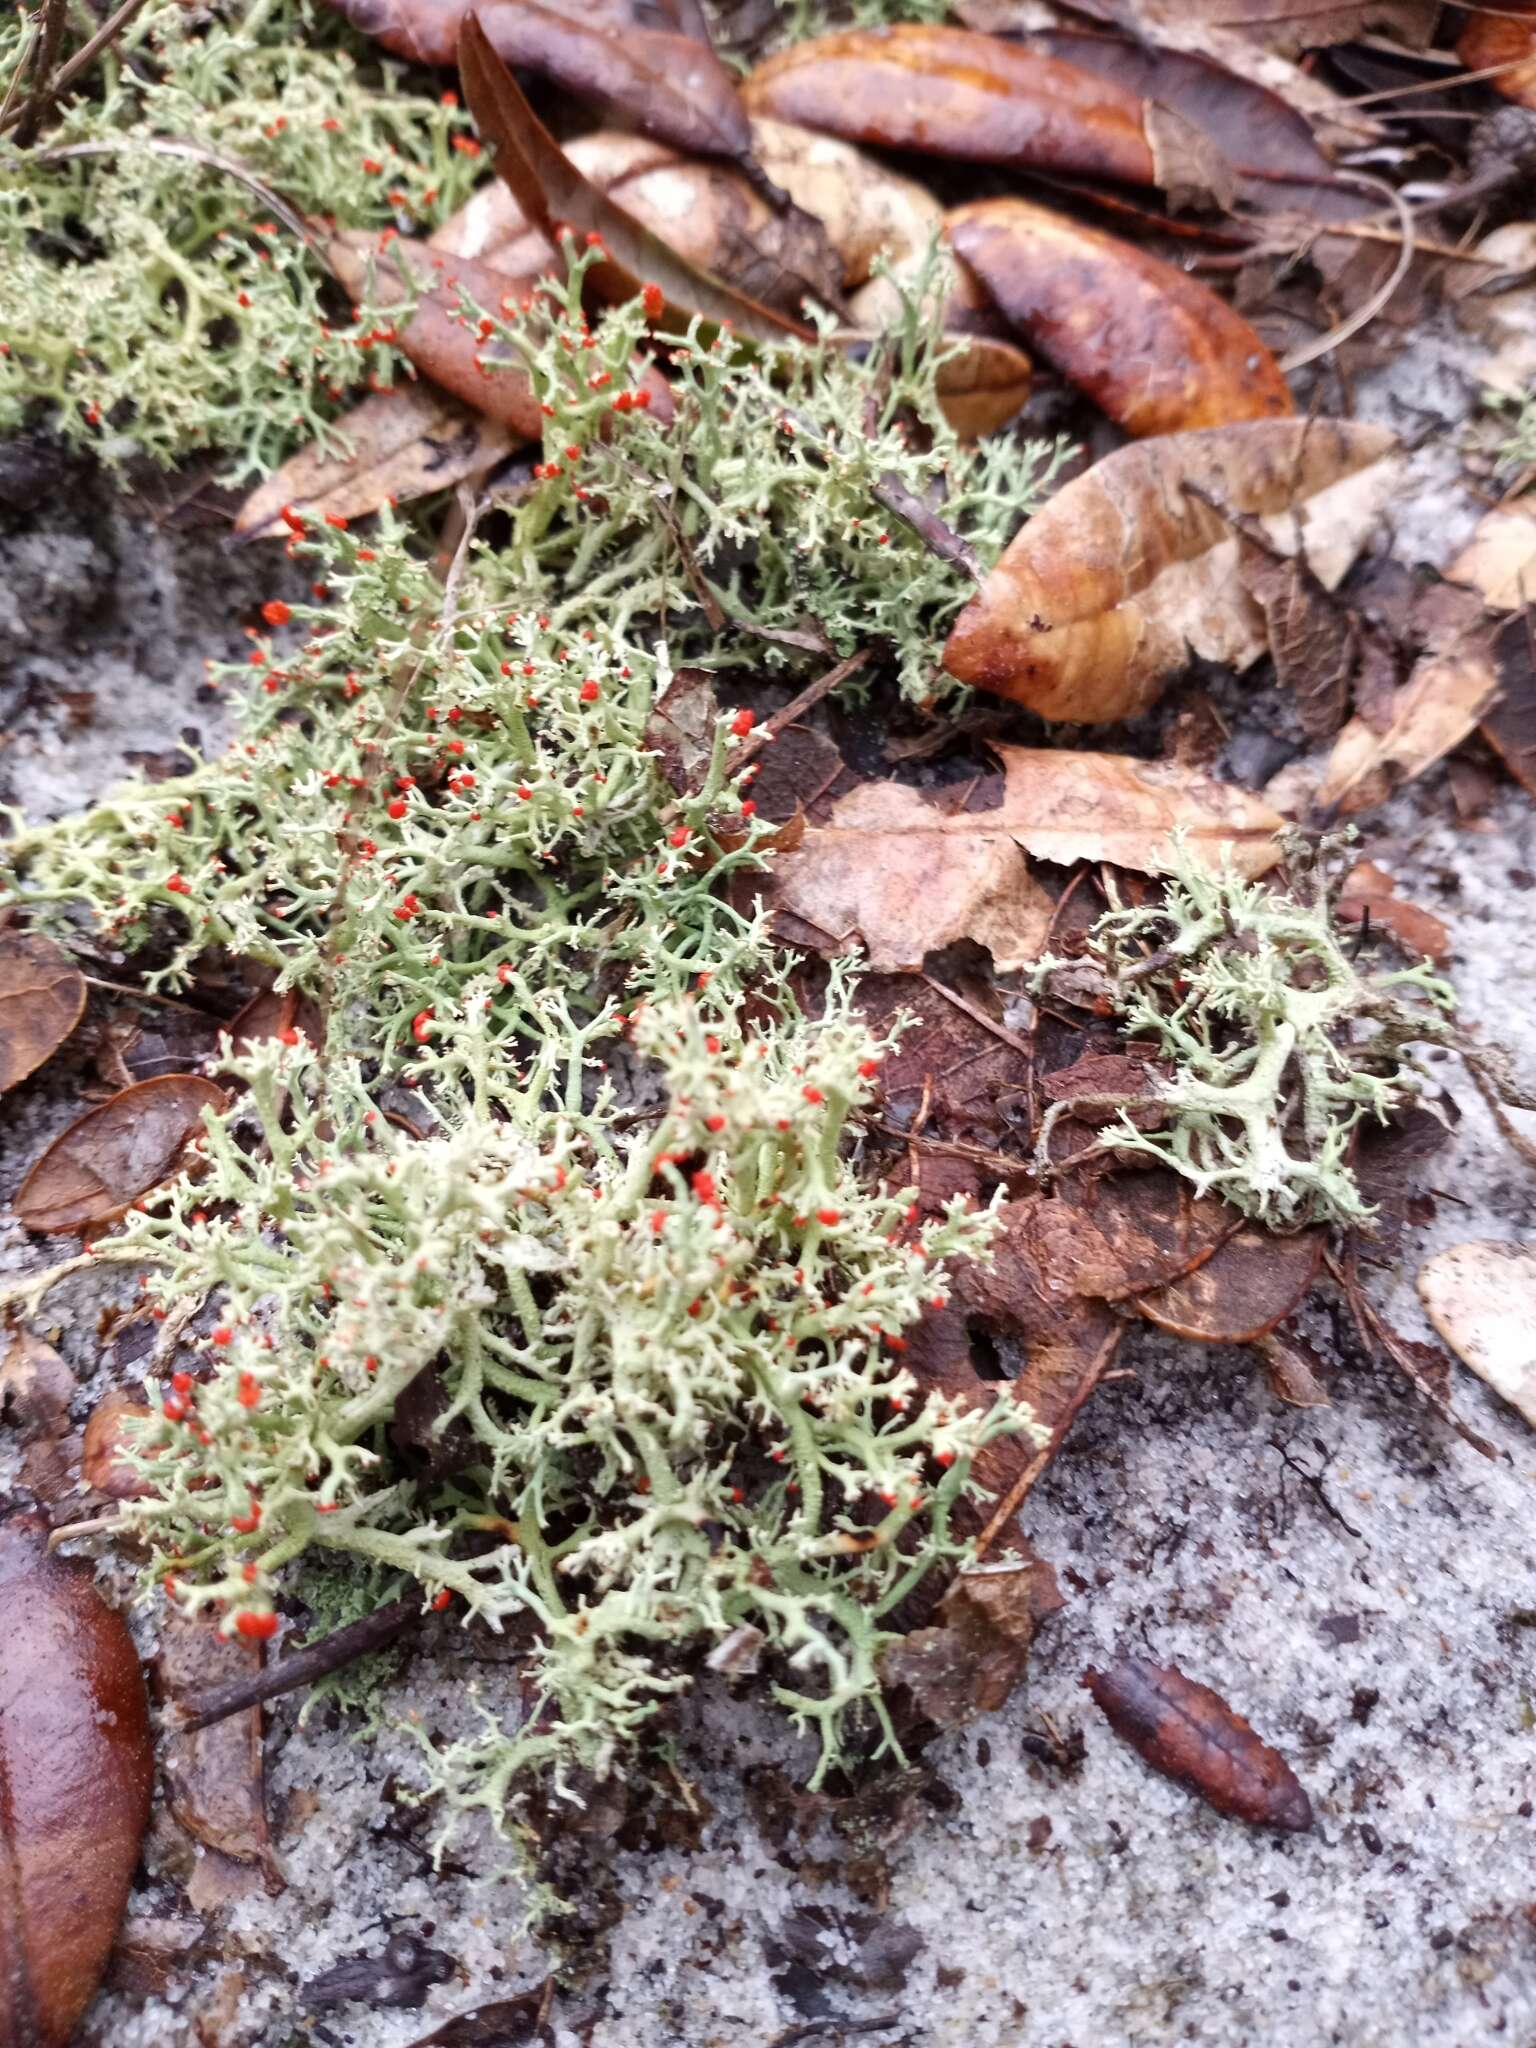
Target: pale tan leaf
x=1127 y=571
x=1499 y=562
x=866 y=210
x=1436 y=708
x=1481 y=1297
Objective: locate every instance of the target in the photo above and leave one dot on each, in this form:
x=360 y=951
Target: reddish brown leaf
x=969 y=1662
x=1188 y=1732
x=1510 y=723
x=103 y=1466
x=953 y=93
x=1312 y=637
x=113 y=1154
x=1251 y=1283
x=1369 y=891
x=76 y=1768
x=42 y=998
x=672 y=85
x=1506 y=37
x=1294 y=1369
x=550 y=190
x=1152 y=346
x=1107 y=589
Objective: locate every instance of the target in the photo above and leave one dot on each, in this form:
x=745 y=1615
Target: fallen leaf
x=1188 y=1732
x=1369 y=891
x=1481 y=1298
x=42 y=999
x=982 y=385
x=1250 y=1284
x=549 y=188
x=36 y=1388
x=1510 y=722
x=1441 y=702
x=1427 y=1369
x=1293 y=1368
x=1499 y=562
x=1282 y=25
x=214 y=1776
x=508 y=2023
x=673 y=85
x=1505 y=317
x=1153 y=347
x=396 y=446
x=162 y=1039
x=103 y=1466
x=1123 y=573
x=398 y=1978
x=1505 y=43
x=710 y=215
x=953 y=93
x=114 y=1154
x=867 y=210
x=967 y=1083
x=1312 y=637
x=898 y=872
x=969 y=1662
x=77 y=1767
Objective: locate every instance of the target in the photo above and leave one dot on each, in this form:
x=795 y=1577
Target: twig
x=86 y=54
x=813 y=693
x=1325 y=344
x=1024 y=1485
x=341 y=1647
x=939 y=539
x=978 y=1016
x=50 y=36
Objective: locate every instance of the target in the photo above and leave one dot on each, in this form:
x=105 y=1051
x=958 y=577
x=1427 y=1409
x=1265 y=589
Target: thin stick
x=164 y=145
x=341 y=1647
x=1325 y=344
x=1023 y=1486
x=49 y=38
x=1009 y=1038
x=68 y=73
x=798 y=706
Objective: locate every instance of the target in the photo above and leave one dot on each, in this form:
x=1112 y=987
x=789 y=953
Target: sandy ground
x=1355 y=1579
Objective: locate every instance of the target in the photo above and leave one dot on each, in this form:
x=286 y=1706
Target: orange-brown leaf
x=1152 y=346
x=42 y=997
x=1505 y=38
x=950 y=92
x=1106 y=591
x=76 y=1770
x=116 y=1152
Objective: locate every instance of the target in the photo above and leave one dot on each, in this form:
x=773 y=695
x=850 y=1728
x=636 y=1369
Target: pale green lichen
x=1278 y=1042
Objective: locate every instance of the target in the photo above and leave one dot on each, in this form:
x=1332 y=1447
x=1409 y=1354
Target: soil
x=1355 y=1579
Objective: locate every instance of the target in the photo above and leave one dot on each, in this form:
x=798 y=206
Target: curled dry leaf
x=1441 y=702
x=672 y=85
x=42 y=998
x=76 y=1769
x=978 y=1650
x=1188 y=1732
x=115 y=1153
x=1250 y=1284
x=1481 y=1298
x=1124 y=572
x=950 y=92
x=550 y=188
x=1504 y=41
x=1152 y=347
x=866 y=210
x=908 y=877
x=1499 y=562
x=1370 y=892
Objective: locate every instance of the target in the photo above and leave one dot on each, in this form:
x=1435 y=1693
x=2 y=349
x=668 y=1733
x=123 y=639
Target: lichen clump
x=1278 y=1043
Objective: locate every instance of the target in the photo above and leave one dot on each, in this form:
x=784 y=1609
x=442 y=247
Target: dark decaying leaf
x=976 y=1653
x=399 y=1977
x=1427 y=1369
x=1312 y=637
x=1154 y=348
x=115 y=1153
x=673 y=85
x=508 y=2023
x=1252 y=1282
x=1188 y=1732
x=1392 y=1163
x=951 y=92
x=36 y=1387
x=76 y=1770
x=42 y=998
x=215 y=1776
x=551 y=190
x=1510 y=724
x=1294 y=1369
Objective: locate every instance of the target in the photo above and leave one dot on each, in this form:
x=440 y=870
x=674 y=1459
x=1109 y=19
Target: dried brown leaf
x=950 y=92
x=215 y=1776
x=549 y=188
x=1510 y=723
x=77 y=1768
x=1503 y=39
x=969 y=1662
x=1441 y=702
x=42 y=999
x=36 y=1388
x=1249 y=1285
x=1287 y=26
x=115 y=1153
x=1369 y=891
x=1312 y=637
x=1499 y=562
x=710 y=215
x=1188 y=1732
x=103 y=1465
x=1294 y=1369
x=1107 y=589
x=866 y=210
x=1152 y=346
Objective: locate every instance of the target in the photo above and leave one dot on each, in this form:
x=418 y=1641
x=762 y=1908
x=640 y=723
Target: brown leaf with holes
x=42 y=999
x=550 y=188
x=953 y=93
x=1124 y=573
x=1504 y=42
x=1249 y=1285
x=1188 y=1732
x=214 y=1776
x=1151 y=346
x=670 y=84
x=977 y=1651
x=76 y=1771
x=1439 y=705
x=115 y=1153
x=1369 y=891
